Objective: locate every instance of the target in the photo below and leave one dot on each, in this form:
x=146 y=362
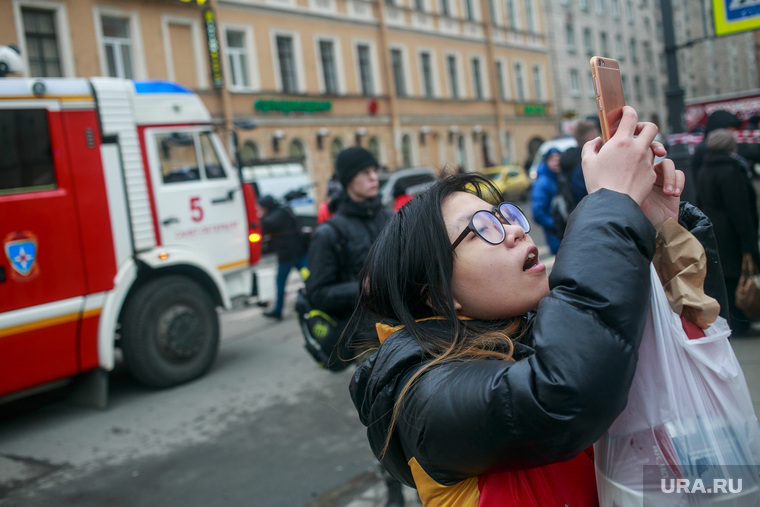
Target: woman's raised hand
x=625 y=163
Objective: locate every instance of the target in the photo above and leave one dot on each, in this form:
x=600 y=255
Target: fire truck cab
x=122 y=224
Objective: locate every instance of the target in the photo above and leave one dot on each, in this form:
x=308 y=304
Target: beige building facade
x=438 y=83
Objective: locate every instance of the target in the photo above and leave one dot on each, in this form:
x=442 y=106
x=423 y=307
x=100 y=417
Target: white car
x=561 y=143
x=413 y=180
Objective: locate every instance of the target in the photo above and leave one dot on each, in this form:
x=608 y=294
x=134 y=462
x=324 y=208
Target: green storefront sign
x=532 y=110
x=293 y=106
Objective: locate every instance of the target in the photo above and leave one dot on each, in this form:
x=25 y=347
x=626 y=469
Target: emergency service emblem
x=21 y=251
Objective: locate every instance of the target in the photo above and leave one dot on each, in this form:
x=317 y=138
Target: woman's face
x=492 y=282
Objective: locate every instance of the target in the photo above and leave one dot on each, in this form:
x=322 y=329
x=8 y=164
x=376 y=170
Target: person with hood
x=492 y=380
x=287 y=241
x=543 y=191
x=726 y=195
x=721 y=119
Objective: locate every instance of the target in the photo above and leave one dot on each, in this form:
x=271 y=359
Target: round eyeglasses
x=488 y=225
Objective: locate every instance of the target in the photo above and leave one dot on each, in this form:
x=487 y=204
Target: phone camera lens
x=601 y=62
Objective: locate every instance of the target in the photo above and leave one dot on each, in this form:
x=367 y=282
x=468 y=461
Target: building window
x=583 y=4
x=419 y=5
x=619 y=47
x=629 y=11
x=117 y=46
x=287 y=61
x=512 y=14
x=445 y=11
x=648 y=56
x=427 y=74
x=373 y=146
x=500 y=80
x=529 y=16
x=237 y=56
x=329 y=74
x=600 y=7
x=603 y=43
x=477 y=81
x=652 y=87
x=574 y=83
x=637 y=88
x=451 y=62
x=570 y=37
x=41 y=43
x=365 y=70
x=615 y=8
x=468 y=10
x=397 y=62
x=494 y=14
x=634 y=52
x=538 y=87
x=406 y=150
x=296 y=150
x=249 y=153
x=336 y=146
x=519 y=84
x=588 y=41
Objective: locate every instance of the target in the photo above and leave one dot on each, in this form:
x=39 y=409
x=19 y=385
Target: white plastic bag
x=689 y=418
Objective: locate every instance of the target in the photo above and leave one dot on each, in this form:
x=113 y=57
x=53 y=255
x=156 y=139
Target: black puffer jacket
x=335 y=261
x=571 y=374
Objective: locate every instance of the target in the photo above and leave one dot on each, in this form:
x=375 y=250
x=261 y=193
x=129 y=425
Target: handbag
x=689 y=421
x=748 y=289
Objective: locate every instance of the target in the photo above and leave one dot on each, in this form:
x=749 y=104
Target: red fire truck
x=123 y=225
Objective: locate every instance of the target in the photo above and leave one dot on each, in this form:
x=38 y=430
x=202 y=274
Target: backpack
x=320 y=330
x=562 y=204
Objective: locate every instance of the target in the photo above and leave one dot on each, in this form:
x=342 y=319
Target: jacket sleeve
x=696 y=222
x=466 y=418
x=327 y=287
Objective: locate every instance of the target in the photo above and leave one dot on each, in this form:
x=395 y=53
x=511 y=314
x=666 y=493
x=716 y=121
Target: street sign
x=734 y=16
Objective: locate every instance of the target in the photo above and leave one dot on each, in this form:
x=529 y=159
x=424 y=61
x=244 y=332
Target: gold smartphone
x=608 y=88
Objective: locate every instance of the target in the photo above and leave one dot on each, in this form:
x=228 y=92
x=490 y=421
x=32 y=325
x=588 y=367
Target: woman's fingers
x=669 y=178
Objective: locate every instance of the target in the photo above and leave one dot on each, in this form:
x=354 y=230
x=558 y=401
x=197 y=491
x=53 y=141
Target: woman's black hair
x=407 y=274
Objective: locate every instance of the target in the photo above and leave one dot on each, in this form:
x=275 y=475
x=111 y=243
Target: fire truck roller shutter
x=169 y=331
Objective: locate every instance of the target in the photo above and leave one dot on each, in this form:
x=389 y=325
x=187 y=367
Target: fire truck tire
x=169 y=332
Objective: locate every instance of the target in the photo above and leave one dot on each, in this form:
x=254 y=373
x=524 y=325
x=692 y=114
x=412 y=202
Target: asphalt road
x=265 y=427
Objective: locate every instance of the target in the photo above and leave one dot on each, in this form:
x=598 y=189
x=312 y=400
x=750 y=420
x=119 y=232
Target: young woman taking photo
x=492 y=380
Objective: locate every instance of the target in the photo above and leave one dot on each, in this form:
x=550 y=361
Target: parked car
x=563 y=144
x=413 y=180
x=512 y=181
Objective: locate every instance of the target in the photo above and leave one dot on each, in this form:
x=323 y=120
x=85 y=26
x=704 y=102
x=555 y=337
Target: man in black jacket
x=339 y=246
x=288 y=243
x=337 y=252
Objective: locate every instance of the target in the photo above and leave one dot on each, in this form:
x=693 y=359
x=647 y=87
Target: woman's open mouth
x=531 y=260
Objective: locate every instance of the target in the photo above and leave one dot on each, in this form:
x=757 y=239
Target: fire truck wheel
x=169 y=332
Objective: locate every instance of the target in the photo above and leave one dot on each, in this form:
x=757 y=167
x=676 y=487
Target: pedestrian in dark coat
x=287 y=241
x=726 y=195
x=724 y=120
